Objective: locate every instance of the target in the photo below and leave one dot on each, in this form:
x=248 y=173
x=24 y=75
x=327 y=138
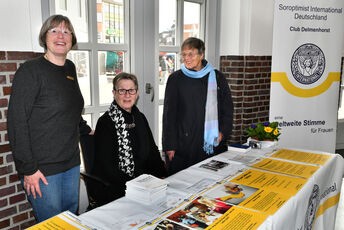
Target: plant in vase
x=264 y=131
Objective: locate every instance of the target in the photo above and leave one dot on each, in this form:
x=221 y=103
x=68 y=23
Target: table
x=314 y=204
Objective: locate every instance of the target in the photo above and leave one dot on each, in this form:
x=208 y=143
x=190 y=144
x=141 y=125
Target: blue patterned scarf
x=211 y=124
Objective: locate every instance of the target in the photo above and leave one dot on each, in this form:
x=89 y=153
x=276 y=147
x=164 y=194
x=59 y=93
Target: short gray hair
x=124 y=76
x=194 y=43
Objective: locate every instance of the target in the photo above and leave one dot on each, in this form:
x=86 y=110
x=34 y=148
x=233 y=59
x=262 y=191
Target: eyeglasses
x=125 y=91
x=188 y=55
x=64 y=32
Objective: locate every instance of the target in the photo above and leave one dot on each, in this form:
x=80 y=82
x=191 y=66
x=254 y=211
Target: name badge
x=70 y=78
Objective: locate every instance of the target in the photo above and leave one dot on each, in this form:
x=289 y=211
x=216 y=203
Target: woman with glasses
x=124 y=143
x=44 y=116
x=198 y=110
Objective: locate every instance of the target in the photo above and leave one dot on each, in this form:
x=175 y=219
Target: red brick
x=5 y=148
x=16 y=228
x=2 y=79
x=7 y=212
x=3 y=126
x=2 y=55
x=235 y=64
x=11 y=77
x=20 y=217
x=4 y=223
x=235 y=69
x=20 y=187
x=28 y=224
x=22 y=55
x=6 y=137
x=17 y=198
x=9 y=158
x=7 y=191
x=248 y=58
x=3 y=203
x=2 y=181
x=3 y=102
x=14 y=178
x=6 y=170
x=25 y=206
x=7 y=67
x=1 y=160
x=6 y=90
x=235 y=57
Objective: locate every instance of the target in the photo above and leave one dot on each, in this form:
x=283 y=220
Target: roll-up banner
x=308 y=40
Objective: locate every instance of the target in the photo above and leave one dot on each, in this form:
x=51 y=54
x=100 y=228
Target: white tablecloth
x=320 y=195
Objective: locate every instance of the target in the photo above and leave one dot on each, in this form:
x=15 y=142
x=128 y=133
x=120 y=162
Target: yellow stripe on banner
x=299 y=92
x=330 y=202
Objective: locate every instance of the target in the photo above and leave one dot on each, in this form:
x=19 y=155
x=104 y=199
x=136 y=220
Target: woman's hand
x=31 y=183
x=220 y=137
x=170 y=154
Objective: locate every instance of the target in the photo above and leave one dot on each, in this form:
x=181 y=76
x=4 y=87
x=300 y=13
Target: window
x=173 y=30
x=107 y=45
x=99 y=56
x=341 y=99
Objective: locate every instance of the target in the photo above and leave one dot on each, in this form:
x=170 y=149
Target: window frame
x=93 y=47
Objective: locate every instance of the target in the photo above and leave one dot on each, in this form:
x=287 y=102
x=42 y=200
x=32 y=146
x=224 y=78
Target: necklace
x=132 y=125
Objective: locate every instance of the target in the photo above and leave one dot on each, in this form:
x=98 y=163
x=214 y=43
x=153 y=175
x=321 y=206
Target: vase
x=265 y=143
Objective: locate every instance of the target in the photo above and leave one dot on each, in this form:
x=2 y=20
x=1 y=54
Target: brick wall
x=249 y=80
x=15 y=210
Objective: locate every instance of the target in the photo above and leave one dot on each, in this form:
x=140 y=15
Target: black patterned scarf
x=125 y=150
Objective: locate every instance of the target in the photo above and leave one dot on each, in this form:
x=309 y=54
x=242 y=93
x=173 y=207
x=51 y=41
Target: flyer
x=231 y=193
x=285 y=167
x=266 y=201
x=200 y=213
x=239 y=219
x=65 y=220
x=270 y=181
x=293 y=155
x=249 y=197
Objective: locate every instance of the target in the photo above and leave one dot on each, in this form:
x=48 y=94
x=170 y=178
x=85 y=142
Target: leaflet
x=285 y=167
x=266 y=201
x=270 y=181
x=239 y=218
x=293 y=155
x=249 y=197
x=65 y=220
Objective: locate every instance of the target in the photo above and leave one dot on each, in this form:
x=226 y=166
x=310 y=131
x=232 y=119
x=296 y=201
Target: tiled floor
x=340 y=211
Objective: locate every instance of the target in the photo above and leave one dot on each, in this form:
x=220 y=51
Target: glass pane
x=166 y=67
x=81 y=61
x=88 y=119
x=110 y=21
x=110 y=63
x=167 y=22
x=191 y=19
x=63 y=4
x=341 y=104
x=76 y=11
x=161 y=110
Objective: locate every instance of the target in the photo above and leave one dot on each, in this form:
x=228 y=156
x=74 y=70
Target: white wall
x=246 y=27
x=20 y=22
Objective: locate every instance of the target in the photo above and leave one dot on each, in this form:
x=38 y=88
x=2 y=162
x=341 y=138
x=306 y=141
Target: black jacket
x=184 y=115
x=146 y=154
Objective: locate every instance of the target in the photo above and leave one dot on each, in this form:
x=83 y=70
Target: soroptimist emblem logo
x=313 y=203
x=308 y=64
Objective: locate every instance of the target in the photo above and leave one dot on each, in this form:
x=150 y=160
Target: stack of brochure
x=146 y=189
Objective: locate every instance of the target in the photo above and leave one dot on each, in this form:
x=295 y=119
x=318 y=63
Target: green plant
x=264 y=131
